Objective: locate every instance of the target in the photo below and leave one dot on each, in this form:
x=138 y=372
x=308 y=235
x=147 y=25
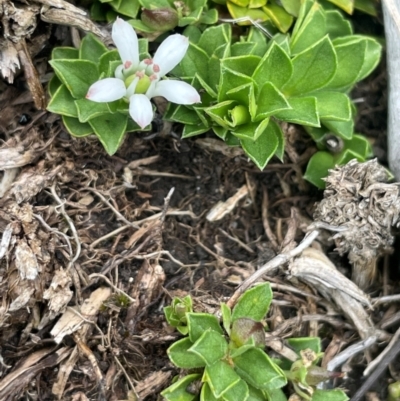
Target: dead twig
x=376 y=374
x=70 y=223
x=272 y=265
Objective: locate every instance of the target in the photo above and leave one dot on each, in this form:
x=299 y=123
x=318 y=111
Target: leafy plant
x=156 y=16
x=109 y=10
x=230 y=364
x=176 y=313
x=251 y=86
x=75 y=71
x=159 y=16
x=274 y=14
x=96 y=90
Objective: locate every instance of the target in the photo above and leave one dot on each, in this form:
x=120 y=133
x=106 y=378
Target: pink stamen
x=127 y=64
x=139 y=74
x=148 y=61
x=156 y=68
x=153 y=77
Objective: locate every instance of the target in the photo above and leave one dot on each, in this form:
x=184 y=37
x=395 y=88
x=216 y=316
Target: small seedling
x=227 y=362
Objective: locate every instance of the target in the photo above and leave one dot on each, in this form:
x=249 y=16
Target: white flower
x=138 y=81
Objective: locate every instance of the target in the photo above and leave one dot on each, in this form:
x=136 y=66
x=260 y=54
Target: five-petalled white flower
x=138 y=81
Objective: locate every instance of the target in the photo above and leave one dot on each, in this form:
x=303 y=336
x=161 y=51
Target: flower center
x=143 y=83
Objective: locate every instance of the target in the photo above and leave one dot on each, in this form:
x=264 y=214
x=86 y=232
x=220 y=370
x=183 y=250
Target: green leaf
x=53 y=85
x=210 y=347
x=205 y=120
x=177 y=391
x=257 y=369
x=193 y=130
x=350 y=57
x=140 y=26
x=309 y=30
x=303 y=111
x=254 y=303
x=214 y=37
x=270 y=101
x=220 y=132
x=110 y=129
x=275 y=395
x=240 y=49
x=291 y=6
x=239 y=12
x=226 y=317
x=337 y=25
x=282 y=41
x=210 y=91
x=76 y=75
x=88 y=109
x=181 y=114
x=305 y=7
x=200 y=322
x=65 y=53
x=105 y=60
x=251 y=131
x=180 y=356
x=334 y=106
x=76 y=128
x=366 y=6
x=360 y=145
x=219 y=112
x=129 y=8
x=231 y=80
x=344 y=129
x=206 y=394
x=317 y=168
x=329 y=395
x=193 y=33
x=209 y=17
x=91 y=48
x=313 y=69
x=63 y=103
x=195 y=61
x=372 y=57
x=257 y=37
x=244 y=95
x=214 y=65
x=261 y=150
x=242 y=64
x=346 y=5
x=267 y=70
x=240 y=391
x=279 y=16
x=220 y=377
x=301 y=343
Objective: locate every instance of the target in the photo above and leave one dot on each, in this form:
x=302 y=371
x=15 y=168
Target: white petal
x=141 y=110
x=178 y=92
x=126 y=40
x=170 y=53
x=118 y=72
x=106 y=90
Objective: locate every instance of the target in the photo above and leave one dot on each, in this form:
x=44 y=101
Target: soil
x=99 y=224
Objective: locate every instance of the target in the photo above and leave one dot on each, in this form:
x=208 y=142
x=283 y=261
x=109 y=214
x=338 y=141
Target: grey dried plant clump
x=362 y=206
